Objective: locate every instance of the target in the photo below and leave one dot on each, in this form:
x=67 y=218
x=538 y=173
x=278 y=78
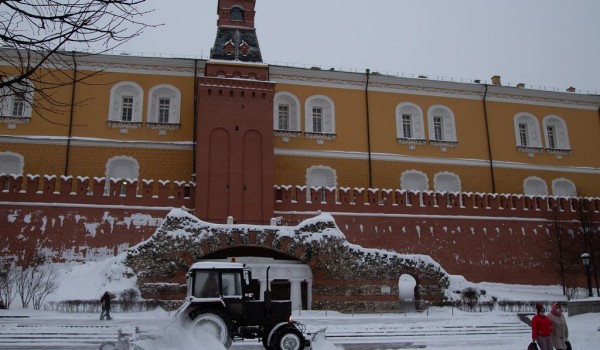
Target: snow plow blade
x=318 y=339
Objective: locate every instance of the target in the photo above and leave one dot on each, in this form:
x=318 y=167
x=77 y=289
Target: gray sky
x=543 y=43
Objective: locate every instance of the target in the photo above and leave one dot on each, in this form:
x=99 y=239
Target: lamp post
x=585 y=257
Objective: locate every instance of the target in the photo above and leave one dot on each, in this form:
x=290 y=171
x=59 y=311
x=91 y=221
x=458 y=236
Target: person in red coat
x=541 y=329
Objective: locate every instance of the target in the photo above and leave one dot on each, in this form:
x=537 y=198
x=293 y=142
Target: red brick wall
x=507 y=239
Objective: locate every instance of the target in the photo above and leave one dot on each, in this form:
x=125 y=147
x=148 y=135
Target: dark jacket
x=105 y=300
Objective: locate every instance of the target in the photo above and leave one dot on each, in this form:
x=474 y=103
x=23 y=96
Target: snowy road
x=387 y=331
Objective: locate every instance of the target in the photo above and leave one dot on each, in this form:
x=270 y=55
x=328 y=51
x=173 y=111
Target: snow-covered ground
x=438 y=328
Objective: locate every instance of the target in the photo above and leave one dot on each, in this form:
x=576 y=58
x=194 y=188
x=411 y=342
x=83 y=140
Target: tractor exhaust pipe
x=267 y=296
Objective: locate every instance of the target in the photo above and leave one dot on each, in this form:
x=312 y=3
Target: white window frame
x=416 y=121
x=315 y=176
x=440 y=184
x=290 y=100
x=118 y=163
x=533 y=130
x=558 y=182
x=117 y=93
x=328 y=108
x=164 y=91
x=11 y=160
x=25 y=98
x=561 y=134
x=408 y=177
x=448 y=123
x=534 y=183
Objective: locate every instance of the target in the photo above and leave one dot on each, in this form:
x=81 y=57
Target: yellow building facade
x=330 y=128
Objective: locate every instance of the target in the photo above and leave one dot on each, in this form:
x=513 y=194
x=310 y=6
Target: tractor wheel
x=214 y=323
x=287 y=338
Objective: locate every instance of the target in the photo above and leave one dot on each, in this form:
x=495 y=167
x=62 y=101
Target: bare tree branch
x=34 y=34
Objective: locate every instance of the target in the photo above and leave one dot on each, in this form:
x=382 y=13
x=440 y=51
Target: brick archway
x=346 y=277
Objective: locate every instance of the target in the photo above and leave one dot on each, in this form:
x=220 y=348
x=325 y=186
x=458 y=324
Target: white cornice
x=430 y=87
x=96 y=142
x=431 y=160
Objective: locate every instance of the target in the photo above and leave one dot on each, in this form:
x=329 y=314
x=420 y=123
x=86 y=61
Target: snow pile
x=174 y=337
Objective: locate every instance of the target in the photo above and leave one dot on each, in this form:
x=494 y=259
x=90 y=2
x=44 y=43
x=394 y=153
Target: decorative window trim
x=319 y=136
x=417 y=125
x=562 y=136
x=113 y=124
x=328 y=117
x=536 y=179
x=27 y=89
x=18 y=158
x=154 y=96
x=294 y=121
x=437 y=181
x=563 y=180
x=449 y=138
x=117 y=92
x=533 y=132
x=287 y=133
x=331 y=180
x=444 y=145
x=163 y=126
x=15 y=120
x=404 y=176
x=110 y=163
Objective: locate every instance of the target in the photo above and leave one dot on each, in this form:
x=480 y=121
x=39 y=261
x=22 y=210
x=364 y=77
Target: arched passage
x=407 y=293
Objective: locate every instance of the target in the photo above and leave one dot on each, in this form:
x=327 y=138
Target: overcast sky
x=548 y=43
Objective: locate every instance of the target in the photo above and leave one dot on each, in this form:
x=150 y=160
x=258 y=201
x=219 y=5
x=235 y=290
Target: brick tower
x=234 y=155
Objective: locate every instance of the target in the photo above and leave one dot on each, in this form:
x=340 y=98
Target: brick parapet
x=67 y=190
x=385 y=201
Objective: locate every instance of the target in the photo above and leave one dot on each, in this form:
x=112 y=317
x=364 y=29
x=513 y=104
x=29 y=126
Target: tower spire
x=236 y=36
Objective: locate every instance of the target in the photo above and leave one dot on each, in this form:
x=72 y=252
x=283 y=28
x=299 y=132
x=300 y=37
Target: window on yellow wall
x=286 y=112
x=17 y=101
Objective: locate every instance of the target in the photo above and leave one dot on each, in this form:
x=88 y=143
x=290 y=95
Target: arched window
x=121 y=168
x=409 y=123
x=126 y=102
x=16 y=101
x=11 y=163
x=442 y=127
x=319 y=115
x=527 y=131
x=413 y=180
x=535 y=186
x=320 y=176
x=555 y=133
x=236 y=14
x=286 y=112
x=164 y=103
x=446 y=182
x=563 y=188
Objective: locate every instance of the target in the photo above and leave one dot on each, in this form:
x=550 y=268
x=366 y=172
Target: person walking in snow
x=105 y=301
x=541 y=329
x=560 y=331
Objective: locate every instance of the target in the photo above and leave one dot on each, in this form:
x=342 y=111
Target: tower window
x=237 y=14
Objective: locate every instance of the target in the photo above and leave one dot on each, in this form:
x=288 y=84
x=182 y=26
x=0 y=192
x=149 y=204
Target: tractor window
x=206 y=284
x=232 y=284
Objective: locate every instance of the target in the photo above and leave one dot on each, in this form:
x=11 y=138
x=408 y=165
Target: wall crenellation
x=82 y=190
x=289 y=198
